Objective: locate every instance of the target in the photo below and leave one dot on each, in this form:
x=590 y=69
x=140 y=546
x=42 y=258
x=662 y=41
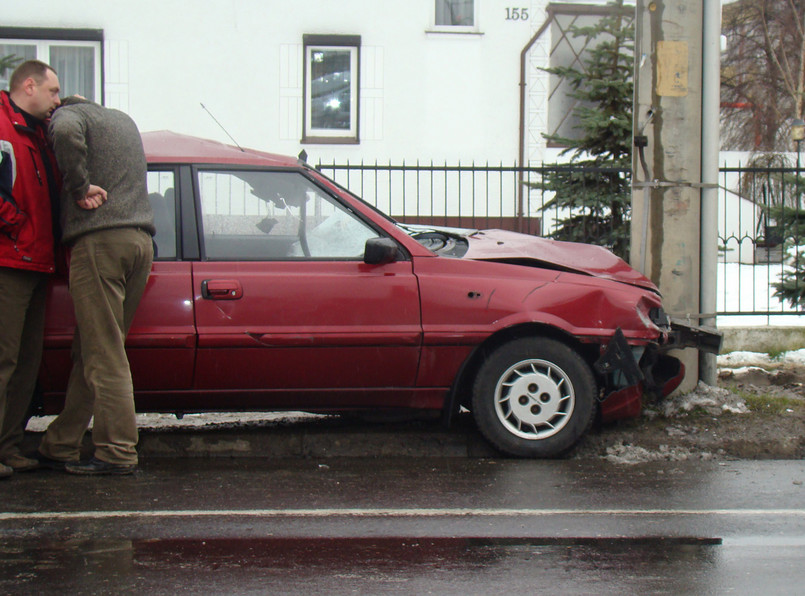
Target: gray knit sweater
x=101 y=146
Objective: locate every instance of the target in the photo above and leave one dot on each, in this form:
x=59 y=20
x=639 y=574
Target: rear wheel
x=534 y=397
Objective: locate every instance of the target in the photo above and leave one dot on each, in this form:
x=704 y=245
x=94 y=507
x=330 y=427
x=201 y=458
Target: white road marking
x=390 y=513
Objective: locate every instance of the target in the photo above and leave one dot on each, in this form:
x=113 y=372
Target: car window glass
x=162 y=197
x=267 y=215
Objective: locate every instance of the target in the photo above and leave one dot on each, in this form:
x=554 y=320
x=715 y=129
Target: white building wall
x=424 y=95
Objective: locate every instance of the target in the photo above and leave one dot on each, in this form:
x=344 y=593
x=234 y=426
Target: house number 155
x=516 y=14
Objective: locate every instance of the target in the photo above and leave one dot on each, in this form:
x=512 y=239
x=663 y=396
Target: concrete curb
x=762 y=339
x=324 y=438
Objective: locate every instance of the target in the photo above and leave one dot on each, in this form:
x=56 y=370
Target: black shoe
x=48 y=463
x=96 y=467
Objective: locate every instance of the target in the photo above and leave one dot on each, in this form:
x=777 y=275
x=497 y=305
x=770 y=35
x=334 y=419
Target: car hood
x=516 y=248
x=588 y=259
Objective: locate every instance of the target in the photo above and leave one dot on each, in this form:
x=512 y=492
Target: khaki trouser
x=108 y=273
x=22 y=322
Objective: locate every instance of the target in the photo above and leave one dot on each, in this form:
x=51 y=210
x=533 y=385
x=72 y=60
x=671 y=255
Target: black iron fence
x=470 y=196
x=758 y=240
x=752 y=254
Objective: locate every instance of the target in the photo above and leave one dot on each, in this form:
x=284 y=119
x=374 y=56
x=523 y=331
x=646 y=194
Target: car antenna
x=222 y=127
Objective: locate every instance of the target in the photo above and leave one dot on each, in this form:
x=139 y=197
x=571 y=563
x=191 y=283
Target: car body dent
x=460 y=296
x=569 y=256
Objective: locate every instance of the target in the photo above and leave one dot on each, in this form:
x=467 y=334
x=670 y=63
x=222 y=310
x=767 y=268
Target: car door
x=287 y=312
x=161 y=341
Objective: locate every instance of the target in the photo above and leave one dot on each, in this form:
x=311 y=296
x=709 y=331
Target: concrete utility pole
x=675 y=164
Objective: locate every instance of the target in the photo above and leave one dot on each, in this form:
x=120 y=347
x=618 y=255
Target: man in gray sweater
x=108 y=224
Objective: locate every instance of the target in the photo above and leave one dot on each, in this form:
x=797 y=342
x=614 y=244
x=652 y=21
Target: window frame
x=45 y=37
x=325 y=136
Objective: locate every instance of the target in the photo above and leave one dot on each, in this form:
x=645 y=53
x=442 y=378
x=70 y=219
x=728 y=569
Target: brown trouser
x=22 y=323
x=108 y=273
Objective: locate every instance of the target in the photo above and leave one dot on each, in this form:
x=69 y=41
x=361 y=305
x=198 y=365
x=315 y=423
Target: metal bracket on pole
x=671 y=183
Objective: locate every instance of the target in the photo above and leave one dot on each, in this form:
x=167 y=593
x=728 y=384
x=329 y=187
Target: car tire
x=534 y=397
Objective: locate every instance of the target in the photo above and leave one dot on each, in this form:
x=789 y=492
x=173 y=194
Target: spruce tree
x=593 y=190
x=790 y=219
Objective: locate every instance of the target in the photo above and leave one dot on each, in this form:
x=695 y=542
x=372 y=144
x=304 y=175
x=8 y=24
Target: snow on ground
x=737 y=359
x=749 y=288
x=714 y=400
x=205 y=420
x=632 y=454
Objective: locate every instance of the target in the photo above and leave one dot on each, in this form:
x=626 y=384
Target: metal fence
x=752 y=257
x=476 y=196
x=753 y=254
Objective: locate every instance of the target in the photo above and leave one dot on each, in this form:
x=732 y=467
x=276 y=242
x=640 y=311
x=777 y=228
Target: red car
x=276 y=289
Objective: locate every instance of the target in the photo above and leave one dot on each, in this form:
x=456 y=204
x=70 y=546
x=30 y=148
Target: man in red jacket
x=28 y=189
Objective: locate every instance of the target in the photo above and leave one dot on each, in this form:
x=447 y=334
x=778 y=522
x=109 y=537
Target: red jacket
x=26 y=224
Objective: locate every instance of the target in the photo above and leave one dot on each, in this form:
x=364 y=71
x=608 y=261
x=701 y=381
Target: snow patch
x=203 y=420
x=759 y=359
x=712 y=399
x=623 y=453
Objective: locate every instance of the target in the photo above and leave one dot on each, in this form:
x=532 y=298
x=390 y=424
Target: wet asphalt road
x=412 y=526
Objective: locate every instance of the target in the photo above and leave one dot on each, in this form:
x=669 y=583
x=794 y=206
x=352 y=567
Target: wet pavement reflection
x=407 y=526
x=366 y=565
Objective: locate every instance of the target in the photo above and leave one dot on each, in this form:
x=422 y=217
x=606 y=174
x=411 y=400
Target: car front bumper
x=656 y=372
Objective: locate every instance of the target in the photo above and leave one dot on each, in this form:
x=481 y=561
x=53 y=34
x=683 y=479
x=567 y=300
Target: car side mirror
x=379 y=251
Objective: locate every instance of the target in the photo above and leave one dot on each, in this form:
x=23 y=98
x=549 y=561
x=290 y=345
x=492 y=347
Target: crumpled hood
x=568 y=256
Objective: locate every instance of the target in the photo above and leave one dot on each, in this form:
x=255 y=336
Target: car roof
x=165 y=146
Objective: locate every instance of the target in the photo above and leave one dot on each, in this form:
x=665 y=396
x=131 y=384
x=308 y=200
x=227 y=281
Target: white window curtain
x=76 y=68
x=455 y=13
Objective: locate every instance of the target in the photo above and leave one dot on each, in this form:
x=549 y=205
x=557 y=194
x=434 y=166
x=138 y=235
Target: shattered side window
x=269 y=215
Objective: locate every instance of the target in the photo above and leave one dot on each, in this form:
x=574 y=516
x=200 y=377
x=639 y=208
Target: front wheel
x=534 y=397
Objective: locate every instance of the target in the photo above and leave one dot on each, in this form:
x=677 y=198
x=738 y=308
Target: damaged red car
x=276 y=289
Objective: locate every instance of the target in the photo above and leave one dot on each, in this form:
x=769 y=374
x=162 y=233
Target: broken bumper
x=705 y=339
x=656 y=372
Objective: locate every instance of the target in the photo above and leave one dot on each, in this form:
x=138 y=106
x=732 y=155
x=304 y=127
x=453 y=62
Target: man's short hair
x=30 y=68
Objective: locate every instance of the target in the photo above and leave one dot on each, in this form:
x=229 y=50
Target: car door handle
x=221 y=289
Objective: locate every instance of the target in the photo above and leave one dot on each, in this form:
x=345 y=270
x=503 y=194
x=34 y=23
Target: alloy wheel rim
x=534 y=399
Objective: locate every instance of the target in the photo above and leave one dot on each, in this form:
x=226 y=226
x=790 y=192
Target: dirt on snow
x=756 y=412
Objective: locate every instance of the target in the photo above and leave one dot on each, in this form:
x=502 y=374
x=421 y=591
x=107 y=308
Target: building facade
x=342 y=79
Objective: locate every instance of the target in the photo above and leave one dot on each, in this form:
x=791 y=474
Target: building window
x=331 y=88
x=455 y=13
x=75 y=54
